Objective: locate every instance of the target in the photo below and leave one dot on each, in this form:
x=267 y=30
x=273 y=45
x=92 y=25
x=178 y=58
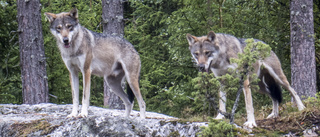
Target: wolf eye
x=70 y=27
x=208 y=53
x=58 y=29
x=196 y=54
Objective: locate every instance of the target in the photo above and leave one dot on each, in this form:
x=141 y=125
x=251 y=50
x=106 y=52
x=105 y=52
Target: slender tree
x=32 y=57
x=303 y=67
x=220 y=2
x=112 y=15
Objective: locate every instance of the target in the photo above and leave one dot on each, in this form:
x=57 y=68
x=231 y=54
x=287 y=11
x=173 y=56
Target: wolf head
x=64 y=26
x=204 y=50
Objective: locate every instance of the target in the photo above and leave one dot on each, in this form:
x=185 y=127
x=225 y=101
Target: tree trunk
x=112 y=15
x=220 y=2
x=303 y=67
x=32 y=57
x=210 y=13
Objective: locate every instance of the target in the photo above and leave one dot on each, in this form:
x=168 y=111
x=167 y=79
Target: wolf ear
x=74 y=13
x=211 y=36
x=191 y=39
x=50 y=16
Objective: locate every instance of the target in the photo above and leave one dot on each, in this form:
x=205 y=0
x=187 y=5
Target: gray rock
x=51 y=120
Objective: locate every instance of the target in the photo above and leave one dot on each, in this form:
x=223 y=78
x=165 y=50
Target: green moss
x=24 y=129
x=263 y=132
x=195 y=118
x=174 y=134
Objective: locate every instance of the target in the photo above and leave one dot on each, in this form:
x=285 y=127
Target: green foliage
x=218 y=128
x=207 y=88
x=10 y=82
x=252 y=52
x=10 y=90
x=165 y=75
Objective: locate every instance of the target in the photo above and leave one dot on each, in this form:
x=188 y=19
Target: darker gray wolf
x=213 y=53
x=88 y=52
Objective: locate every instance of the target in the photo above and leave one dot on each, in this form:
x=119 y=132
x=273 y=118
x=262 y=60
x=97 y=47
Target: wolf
x=88 y=52
x=213 y=53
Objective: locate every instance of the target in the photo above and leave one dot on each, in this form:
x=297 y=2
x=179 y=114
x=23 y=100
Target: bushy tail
x=273 y=87
x=130 y=93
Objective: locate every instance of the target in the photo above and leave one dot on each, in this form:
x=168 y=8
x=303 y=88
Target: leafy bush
x=218 y=128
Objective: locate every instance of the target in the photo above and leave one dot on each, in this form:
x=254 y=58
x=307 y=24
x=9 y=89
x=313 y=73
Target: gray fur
x=88 y=52
x=223 y=47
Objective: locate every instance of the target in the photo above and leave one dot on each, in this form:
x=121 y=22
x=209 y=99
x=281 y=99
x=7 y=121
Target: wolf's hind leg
x=293 y=93
x=134 y=85
x=270 y=87
x=279 y=76
x=132 y=73
x=275 y=109
x=115 y=84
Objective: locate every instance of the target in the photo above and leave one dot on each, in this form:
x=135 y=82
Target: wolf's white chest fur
x=75 y=62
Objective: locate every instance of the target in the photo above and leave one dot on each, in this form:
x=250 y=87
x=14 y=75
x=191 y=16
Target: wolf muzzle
x=66 y=42
x=202 y=68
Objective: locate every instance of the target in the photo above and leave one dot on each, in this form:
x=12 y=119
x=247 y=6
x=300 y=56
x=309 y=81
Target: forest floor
x=295 y=124
x=291 y=121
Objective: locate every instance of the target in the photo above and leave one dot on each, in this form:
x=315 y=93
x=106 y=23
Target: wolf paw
x=220 y=116
x=301 y=107
x=142 y=115
x=83 y=114
x=272 y=115
x=250 y=124
x=72 y=115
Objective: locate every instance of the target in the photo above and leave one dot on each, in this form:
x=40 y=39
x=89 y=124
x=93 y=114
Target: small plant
x=207 y=90
x=218 y=128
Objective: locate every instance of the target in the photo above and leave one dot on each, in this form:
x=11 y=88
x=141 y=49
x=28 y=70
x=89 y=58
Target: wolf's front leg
x=86 y=93
x=222 y=104
x=74 y=82
x=249 y=106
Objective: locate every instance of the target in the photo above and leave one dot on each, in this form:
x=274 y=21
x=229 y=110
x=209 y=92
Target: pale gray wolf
x=88 y=52
x=214 y=51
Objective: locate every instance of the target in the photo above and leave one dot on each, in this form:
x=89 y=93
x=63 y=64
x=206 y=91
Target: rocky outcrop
x=51 y=120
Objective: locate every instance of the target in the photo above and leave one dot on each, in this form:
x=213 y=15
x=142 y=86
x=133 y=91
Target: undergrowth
x=290 y=120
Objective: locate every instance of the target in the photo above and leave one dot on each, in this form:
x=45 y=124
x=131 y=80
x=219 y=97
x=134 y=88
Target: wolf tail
x=130 y=93
x=273 y=88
